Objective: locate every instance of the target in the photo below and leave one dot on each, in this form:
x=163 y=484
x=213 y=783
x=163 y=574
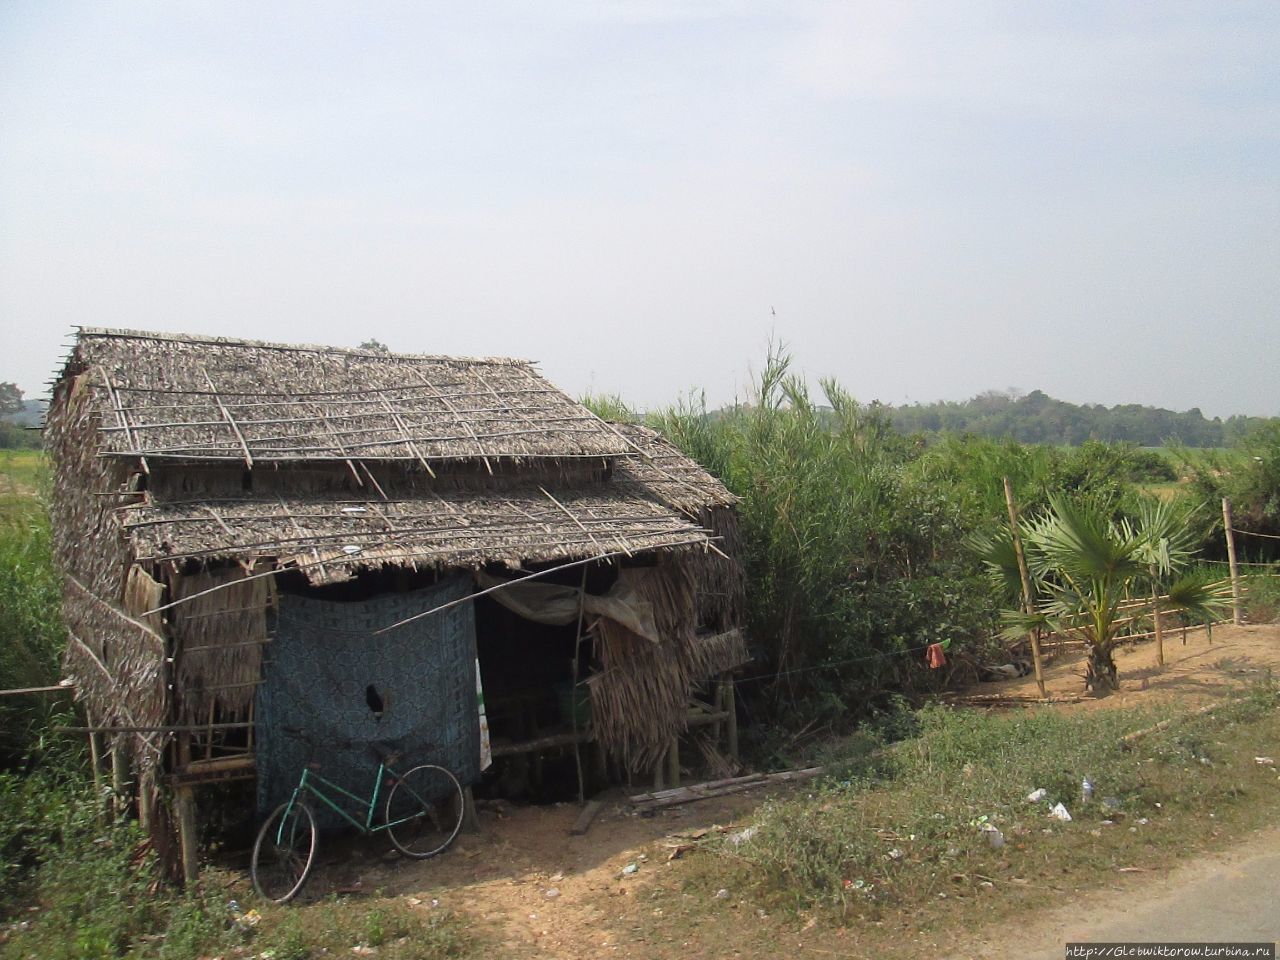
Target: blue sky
x=924 y=200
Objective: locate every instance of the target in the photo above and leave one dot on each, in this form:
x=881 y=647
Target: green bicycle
x=422 y=816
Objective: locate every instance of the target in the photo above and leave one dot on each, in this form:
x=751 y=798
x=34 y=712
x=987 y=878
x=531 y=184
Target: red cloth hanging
x=934 y=656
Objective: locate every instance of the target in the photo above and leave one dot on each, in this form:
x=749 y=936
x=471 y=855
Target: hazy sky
x=935 y=198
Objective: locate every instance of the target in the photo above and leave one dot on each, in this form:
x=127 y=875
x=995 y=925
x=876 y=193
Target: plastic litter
x=1038 y=794
x=722 y=894
x=1059 y=812
x=1264 y=761
x=994 y=835
x=630 y=868
x=1086 y=790
x=551 y=893
x=896 y=854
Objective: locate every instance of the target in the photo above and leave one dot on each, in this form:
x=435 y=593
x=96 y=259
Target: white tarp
x=554 y=604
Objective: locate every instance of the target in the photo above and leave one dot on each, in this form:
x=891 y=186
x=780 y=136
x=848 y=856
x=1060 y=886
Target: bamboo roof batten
x=231 y=422
x=462 y=423
x=393 y=558
x=570 y=515
x=404 y=431
x=439 y=528
x=120 y=414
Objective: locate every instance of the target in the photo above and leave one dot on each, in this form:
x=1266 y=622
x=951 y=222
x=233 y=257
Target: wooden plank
x=548 y=742
x=691 y=794
x=586 y=818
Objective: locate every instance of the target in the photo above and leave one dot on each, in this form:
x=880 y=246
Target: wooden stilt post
x=1237 y=612
x=146 y=799
x=470 y=820
x=718 y=706
x=185 y=800
x=573 y=690
x=119 y=774
x=731 y=721
x=95 y=754
x=1027 y=602
x=673 y=762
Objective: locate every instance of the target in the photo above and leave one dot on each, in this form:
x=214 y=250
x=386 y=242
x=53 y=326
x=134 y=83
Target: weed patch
x=946 y=813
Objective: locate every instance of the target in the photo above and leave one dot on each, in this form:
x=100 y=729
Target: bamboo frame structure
x=191 y=474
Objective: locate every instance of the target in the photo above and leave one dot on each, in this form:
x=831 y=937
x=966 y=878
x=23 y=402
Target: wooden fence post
x=1028 y=603
x=1155 y=616
x=1237 y=615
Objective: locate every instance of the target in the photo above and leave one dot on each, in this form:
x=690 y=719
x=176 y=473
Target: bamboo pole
x=573 y=690
x=146 y=800
x=119 y=774
x=185 y=800
x=1028 y=603
x=95 y=754
x=1159 y=629
x=1237 y=615
x=731 y=708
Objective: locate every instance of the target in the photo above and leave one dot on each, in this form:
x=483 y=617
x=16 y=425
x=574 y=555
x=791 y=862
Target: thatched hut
x=260 y=535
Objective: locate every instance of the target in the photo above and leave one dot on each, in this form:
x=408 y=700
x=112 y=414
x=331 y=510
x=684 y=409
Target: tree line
x=1036 y=417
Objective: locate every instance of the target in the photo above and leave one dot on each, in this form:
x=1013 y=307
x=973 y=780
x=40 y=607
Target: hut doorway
x=535 y=713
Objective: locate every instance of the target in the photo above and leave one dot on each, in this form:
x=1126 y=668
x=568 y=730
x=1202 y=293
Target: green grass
x=888 y=857
x=26 y=467
x=76 y=886
x=900 y=827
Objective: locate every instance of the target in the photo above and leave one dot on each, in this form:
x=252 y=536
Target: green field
x=23 y=475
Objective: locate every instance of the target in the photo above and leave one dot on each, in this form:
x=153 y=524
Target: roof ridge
x=125 y=334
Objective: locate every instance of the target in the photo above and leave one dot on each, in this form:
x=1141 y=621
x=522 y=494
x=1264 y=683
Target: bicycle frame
x=307 y=786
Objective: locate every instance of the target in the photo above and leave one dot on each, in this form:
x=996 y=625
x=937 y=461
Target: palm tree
x=1091 y=573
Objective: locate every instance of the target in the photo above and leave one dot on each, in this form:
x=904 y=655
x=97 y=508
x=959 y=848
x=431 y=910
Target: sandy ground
x=1207 y=667
x=537 y=890
x=540 y=892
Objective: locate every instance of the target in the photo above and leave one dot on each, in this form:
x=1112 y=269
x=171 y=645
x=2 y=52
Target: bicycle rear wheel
x=284 y=852
x=424 y=811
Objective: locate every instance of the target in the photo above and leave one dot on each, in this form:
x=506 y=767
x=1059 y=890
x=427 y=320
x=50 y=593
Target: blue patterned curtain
x=324 y=669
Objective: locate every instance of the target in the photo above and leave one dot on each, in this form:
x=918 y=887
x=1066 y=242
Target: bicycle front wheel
x=424 y=811
x=284 y=852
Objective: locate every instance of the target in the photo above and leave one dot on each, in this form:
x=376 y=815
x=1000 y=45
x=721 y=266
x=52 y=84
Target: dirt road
x=1232 y=896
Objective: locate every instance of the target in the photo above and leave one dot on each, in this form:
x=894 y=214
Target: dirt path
x=1229 y=896
x=533 y=888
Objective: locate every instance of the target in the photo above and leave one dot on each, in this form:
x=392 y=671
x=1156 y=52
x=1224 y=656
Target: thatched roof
x=213 y=399
x=328 y=536
x=662 y=471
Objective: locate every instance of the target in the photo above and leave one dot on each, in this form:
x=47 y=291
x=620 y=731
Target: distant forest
x=1037 y=418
